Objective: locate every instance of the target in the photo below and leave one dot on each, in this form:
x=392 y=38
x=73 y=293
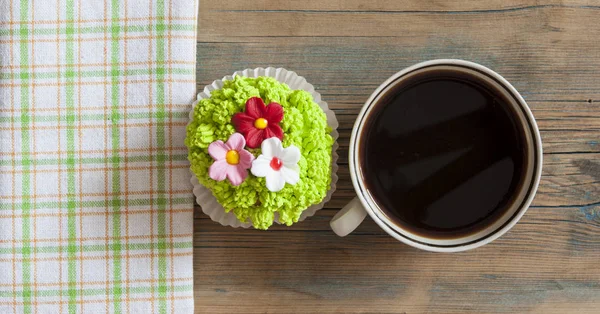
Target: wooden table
x=549 y=263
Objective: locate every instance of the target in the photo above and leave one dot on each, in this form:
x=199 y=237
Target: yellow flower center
x=232 y=157
x=261 y=123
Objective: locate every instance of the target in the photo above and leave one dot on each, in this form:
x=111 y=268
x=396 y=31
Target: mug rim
x=404 y=235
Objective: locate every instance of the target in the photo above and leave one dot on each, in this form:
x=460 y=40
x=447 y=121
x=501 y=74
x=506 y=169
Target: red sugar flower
x=259 y=122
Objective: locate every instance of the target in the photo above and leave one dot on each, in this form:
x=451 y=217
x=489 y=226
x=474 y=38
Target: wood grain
x=549 y=50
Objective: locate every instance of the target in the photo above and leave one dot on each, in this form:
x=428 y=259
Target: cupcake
x=261 y=151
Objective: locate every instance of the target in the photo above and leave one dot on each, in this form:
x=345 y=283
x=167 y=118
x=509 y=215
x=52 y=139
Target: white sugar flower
x=277 y=164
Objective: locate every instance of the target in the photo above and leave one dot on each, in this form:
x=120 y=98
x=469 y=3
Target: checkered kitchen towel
x=95 y=203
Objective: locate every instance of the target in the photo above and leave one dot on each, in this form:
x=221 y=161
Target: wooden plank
x=549 y=50
x=492 y=25
x=348 y=70
x=386 y=5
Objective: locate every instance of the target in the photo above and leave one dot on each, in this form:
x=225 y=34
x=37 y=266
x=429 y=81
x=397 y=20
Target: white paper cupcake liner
x=204 y=196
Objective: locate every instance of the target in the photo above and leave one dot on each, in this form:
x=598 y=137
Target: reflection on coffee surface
x=442 y=153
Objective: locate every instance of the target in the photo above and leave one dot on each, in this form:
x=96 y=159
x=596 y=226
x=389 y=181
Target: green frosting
x=304 y=125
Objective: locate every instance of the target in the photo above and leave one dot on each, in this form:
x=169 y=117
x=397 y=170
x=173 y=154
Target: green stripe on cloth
x=91 y=292
x=26 y=162
x=99 y=247
x=41 y=74
x=71 y=196
x=161 y=157
x=99 y=117
x=101 y=29
x=91 y=160
x=116 y=142
x=98 y=204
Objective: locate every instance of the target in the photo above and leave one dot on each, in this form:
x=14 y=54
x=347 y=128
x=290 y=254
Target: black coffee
x=443 y=154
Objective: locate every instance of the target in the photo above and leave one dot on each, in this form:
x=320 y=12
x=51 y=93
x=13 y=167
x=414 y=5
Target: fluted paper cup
x=204 y=196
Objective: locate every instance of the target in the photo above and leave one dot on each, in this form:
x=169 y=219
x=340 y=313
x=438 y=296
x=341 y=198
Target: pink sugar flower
x=231 y=159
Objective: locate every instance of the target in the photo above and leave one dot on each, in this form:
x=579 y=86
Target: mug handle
x=348 y=218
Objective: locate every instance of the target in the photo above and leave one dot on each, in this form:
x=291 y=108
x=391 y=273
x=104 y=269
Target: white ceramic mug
x=347 y=219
